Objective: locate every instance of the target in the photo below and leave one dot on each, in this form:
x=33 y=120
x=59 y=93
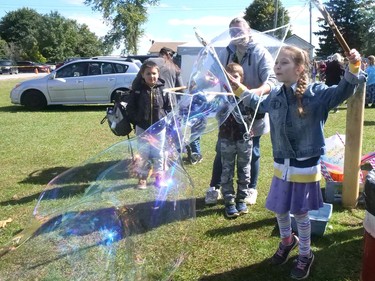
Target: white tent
x=189 y=54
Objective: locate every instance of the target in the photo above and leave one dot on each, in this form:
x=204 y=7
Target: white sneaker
x=212 y=195
x=251 y=198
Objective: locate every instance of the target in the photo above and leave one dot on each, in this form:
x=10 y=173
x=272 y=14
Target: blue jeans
x=217 y=167
x=195 y=146
x=255 y=163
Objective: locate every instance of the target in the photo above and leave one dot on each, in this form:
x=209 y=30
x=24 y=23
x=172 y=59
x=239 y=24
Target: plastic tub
x=318 y=218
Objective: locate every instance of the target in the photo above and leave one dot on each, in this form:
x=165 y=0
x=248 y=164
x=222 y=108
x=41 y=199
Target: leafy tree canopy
x=261 y=14
x=126 y=18
x=33 y=36
x=352 y=20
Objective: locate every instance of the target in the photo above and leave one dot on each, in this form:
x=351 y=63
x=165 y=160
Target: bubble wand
x=354 y=124
x=332 y=25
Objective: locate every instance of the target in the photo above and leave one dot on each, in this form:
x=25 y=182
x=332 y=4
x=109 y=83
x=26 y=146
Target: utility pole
x=310 y=9
x=276 y=11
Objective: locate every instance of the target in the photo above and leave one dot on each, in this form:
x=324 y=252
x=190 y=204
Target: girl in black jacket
x=147 y=105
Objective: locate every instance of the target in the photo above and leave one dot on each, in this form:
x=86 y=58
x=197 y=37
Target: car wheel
x=33 y=100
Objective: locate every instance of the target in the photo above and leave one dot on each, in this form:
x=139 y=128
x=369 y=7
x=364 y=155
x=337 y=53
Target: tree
x=4 y=49
x=32 y=36
x=347 y=16
x=20 y=27
x=367 y=10
x=126 y=18
x=261 y=13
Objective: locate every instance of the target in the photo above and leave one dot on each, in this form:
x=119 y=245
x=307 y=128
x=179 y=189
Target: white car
x=78 y=82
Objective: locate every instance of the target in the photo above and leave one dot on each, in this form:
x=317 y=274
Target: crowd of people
x=331 y=71
x=283 y=99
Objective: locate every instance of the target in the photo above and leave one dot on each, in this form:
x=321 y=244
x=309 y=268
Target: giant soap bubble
x=91 y=223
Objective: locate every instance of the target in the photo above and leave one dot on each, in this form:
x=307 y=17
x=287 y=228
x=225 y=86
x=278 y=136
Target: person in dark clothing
x=168 y=70
x=146 y=106
x=171 y=74
x=334 y=72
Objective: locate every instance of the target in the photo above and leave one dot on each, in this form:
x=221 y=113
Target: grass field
x=38 y=146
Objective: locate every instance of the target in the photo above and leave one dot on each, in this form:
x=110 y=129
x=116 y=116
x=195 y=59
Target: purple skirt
x=297 y=198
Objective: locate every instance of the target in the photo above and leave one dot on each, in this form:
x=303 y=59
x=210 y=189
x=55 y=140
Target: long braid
x=300 y=89
x=300 y=57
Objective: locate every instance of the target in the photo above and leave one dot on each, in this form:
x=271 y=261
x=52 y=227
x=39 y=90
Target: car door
x=68 y=83
x=100 y=82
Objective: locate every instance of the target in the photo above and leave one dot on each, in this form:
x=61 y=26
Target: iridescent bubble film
x=93 y=223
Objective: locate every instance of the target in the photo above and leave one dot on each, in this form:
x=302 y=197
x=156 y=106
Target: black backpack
x=117 y=116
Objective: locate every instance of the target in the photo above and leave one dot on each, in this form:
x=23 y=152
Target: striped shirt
x=302 y=170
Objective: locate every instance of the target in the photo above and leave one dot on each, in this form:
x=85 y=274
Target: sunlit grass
x=37 y=146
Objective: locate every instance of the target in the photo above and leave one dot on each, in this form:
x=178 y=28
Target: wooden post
x=353 y=147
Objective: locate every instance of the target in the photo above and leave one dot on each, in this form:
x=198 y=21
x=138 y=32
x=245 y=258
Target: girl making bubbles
x=298 y=112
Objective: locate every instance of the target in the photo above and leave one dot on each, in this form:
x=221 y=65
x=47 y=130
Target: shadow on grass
x=339 y=257
x=70 y=182
x=126 y=221
x=368 y=123
x=224 y=231
x=44 y=176
x=56 y=108
x=74 y=232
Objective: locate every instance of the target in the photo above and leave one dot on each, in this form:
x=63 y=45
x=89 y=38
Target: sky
x=173 y=20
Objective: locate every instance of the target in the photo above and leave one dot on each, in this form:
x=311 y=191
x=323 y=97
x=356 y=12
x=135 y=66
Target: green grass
x=37 y=146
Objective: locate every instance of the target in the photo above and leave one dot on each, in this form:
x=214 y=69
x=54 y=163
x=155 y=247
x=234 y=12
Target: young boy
x=235 y=142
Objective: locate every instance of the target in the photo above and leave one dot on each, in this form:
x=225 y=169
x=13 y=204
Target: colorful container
x=318 y=218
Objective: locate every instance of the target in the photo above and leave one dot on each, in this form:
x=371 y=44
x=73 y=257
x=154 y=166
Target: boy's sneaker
x=251 y=198
x=231 y=211
x=142 y=184
x=195 y=158
x=212 y=195
x=241 y=207
x=301 y=269
x=282 y=254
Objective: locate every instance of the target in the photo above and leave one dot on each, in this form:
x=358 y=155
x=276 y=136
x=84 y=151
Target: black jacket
x=146 y=105
x=334 y=71
x=231 y=129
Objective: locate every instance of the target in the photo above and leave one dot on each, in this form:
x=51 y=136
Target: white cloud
x=300 y=22
x=95 y=23
x=186 y=8
x=203 y=21
x=75 y=2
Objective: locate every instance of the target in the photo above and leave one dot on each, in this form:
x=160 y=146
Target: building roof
x=295 y=39
x=156 y=46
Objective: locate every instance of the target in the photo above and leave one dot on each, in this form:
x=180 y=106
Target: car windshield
x=5 y=62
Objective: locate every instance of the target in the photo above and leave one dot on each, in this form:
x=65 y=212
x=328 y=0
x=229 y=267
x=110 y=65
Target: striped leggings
x=303 y=227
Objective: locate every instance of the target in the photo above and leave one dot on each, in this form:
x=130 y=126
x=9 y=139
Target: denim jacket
x=293 y=136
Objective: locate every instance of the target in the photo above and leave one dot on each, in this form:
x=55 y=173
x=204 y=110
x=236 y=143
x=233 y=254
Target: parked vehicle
x=69 y=60
x=121 y=58
x=30 y=66
x=8 y=66
x=78 y=82
x=51 y=64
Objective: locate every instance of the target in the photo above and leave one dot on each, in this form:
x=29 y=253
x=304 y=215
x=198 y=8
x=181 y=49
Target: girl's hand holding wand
x=354 y=61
